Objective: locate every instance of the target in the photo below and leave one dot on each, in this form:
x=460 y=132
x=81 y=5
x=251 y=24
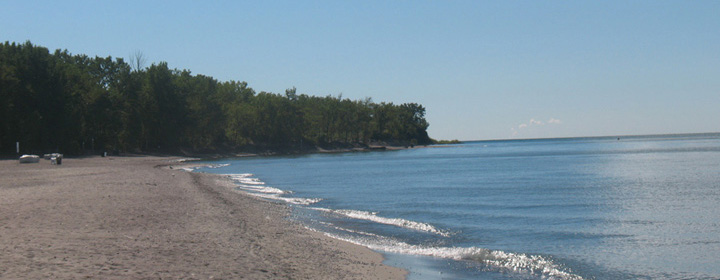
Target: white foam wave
x=357 y=232
x=193 y=168
x=246 y=179
x=331 y=225
x=263 y=189
x=372 y=216
x=250 y=181
x=292 y=200
x=503 y=261
x=255 y=187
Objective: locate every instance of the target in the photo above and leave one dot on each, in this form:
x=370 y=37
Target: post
x=17 y=147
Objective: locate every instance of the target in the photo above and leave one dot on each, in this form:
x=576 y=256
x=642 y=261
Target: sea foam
x=372 y=216
x=255 y=187
x=492 y=259
x=292 y=200
x=193 y=168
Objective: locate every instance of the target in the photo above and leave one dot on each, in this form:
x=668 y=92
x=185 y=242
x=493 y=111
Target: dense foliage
x=75 y=103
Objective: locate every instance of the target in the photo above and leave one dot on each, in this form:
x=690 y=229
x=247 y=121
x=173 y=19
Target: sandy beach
x=135 y=218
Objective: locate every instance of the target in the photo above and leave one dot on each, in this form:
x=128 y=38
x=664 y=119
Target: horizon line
x=596 y=136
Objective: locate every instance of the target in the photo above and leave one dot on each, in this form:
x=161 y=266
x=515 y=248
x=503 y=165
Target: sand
x=132 y=218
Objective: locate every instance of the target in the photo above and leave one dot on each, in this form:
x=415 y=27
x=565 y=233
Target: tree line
x=75 y=103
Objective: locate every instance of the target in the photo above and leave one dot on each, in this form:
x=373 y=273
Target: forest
x=75 y=104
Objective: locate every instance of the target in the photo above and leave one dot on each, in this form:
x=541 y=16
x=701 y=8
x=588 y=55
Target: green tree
x=72 y=103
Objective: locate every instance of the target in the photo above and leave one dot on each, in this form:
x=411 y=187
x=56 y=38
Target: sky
x=482 y=69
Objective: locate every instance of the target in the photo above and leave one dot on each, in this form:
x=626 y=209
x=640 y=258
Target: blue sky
x=483 y=69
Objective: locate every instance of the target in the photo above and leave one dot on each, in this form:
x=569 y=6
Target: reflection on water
x=668 y=207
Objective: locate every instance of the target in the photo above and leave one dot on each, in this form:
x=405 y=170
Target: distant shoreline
x=248 y=151
x=287 y=151
x=598 y=137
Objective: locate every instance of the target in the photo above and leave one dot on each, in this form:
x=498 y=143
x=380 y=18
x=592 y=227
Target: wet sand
x=135 y=218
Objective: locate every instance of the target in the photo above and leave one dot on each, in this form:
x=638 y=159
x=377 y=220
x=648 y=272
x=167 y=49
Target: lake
x=634 y=207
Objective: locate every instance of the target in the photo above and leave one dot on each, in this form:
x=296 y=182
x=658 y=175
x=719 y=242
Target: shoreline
x=130 y=217
x=252 y=152
x=315 y=150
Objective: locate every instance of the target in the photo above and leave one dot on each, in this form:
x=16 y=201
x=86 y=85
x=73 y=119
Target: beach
x=142 y=217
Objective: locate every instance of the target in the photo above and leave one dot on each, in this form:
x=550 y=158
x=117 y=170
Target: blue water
x=643 y=207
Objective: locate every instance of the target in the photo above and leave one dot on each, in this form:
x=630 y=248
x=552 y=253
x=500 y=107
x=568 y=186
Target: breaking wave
x=490 y=259
x=255 y=187
x=372 y=216
x=292 y=200
x=193 y=168
x=246 y=179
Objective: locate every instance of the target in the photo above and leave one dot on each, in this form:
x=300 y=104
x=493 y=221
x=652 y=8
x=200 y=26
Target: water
x=643 y=207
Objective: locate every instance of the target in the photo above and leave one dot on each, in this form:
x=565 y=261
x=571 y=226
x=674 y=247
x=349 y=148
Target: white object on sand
x=29 y=159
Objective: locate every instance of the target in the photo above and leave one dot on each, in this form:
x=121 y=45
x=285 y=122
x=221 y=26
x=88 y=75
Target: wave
x=331 y=225
x=372 y=216
x=246 y=179
x=491 y=259
x=292 y=200
x=263 y=189
x=255 y=187
x=193 y=168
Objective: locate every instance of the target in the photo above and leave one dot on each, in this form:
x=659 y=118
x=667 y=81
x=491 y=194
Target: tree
x=70 y=103
x=138 y=60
